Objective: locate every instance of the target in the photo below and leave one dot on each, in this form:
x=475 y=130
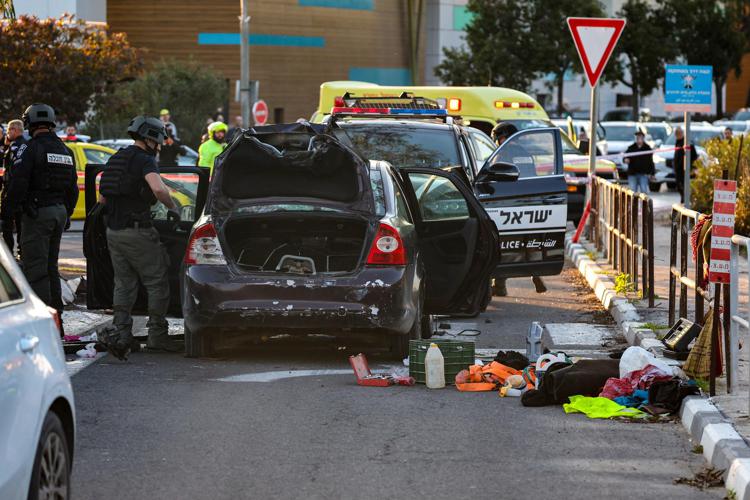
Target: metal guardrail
x=623 y=228
x=736 y=319
x=683 y=221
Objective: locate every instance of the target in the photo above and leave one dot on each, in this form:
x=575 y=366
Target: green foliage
x=709 y=33
x=188 y=89
x=498 y=40
x=723 y=156
x=644 y=47
x=512 y=42
x=624 y=284
x=60 y=62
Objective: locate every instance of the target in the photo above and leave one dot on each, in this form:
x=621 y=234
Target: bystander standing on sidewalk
x=640 y=166
x=679 y=161
x=10 y=221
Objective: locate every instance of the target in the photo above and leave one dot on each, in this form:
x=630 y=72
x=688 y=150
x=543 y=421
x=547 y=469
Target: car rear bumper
x=215 y=298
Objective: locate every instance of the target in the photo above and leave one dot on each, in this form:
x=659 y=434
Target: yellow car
x=86 y=153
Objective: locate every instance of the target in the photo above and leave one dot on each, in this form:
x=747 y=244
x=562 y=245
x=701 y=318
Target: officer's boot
x=118 y=338
x=539 y=284
x=158 y=335
x=500 y=289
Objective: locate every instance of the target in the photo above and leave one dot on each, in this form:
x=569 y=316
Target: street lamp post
x=245 y=62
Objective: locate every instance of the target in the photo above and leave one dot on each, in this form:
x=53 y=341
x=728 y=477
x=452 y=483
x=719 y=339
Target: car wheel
x=197 y=344
x=655 y=187
x=50 y=477
x=400 y=342
x=487 y=297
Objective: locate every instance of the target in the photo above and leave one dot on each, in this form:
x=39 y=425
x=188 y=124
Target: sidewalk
x=712 y=427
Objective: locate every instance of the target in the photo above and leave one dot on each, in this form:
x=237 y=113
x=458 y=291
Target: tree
x=554 y=50
x=63 y=63
x=190 y=90
x=7 y=10
x=499 y=41
x=712 y=34
x=645 y=46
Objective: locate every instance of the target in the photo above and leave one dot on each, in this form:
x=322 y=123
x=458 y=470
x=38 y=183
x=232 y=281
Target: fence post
x=651 y=249
x=683 y=264
x=633 y=230
x=672 y=267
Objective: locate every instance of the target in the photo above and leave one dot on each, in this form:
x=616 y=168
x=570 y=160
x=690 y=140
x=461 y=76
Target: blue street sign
x=688 y=88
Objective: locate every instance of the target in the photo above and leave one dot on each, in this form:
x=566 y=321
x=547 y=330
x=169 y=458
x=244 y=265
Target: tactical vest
x=54 y=172
x=120 y=179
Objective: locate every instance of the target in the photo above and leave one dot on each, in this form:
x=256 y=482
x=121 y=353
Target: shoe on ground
x=500 y=290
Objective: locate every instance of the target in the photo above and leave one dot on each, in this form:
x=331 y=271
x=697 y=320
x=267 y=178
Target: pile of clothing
x=635 y=385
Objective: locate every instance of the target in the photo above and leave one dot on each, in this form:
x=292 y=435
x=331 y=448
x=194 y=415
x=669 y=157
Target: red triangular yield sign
x=595 y=39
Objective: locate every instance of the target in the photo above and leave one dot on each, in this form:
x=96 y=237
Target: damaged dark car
x=300 y=235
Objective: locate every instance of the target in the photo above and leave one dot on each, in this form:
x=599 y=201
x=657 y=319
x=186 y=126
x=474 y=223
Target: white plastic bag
x=636 y=358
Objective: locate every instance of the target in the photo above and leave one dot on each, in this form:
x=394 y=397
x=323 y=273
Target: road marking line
x=273 y=376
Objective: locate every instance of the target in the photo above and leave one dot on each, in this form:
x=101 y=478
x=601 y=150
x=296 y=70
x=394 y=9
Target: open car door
x=522 y=187
x=457 y=240
x=188 y=186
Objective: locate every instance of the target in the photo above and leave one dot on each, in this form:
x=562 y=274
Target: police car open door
x=188 y=187
x=523 y=189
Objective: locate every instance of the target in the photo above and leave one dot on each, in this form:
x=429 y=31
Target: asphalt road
x=163 y=426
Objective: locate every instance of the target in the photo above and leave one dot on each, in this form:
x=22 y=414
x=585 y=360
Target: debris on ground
x=706 y=478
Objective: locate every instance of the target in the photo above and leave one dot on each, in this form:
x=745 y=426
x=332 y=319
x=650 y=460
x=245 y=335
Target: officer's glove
x=173 y=216
x=67 y=224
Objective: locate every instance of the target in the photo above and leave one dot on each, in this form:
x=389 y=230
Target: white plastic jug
x=434 y=367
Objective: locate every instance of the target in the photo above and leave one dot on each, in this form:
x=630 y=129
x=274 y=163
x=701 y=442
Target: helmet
x=163 y=112
x=147 y=127
x=503 y=129
x=38 y=115
x=217 y=127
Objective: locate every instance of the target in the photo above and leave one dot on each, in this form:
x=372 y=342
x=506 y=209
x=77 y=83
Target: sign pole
x=245 y=98
x=686 y=177
x=592 y=139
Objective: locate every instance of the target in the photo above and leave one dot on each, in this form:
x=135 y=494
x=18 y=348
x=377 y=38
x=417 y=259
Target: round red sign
x=260 y=112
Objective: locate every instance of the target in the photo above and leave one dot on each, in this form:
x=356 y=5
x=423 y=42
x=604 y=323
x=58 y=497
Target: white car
x=37 y=412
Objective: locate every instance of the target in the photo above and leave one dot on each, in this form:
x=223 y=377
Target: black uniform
x=10 y=222
x=169 y=153
x=44 y=188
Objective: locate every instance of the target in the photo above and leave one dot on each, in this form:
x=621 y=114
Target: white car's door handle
x=28 y=343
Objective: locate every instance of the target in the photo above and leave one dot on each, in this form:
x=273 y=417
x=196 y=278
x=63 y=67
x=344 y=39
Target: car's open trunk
x=305 y=244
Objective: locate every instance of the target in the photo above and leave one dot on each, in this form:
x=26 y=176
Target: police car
x=521 y=184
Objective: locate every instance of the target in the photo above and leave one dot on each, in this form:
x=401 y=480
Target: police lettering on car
x=44 y=188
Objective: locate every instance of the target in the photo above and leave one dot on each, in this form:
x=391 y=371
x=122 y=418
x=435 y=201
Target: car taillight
x=387 y=248
x=204 y=246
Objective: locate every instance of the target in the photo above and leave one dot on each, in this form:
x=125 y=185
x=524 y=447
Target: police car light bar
x=338 y=110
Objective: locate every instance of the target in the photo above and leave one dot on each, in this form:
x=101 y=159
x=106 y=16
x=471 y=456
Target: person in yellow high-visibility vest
x=213 y=147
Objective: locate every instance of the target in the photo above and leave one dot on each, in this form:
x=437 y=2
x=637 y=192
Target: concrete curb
x=723 y=447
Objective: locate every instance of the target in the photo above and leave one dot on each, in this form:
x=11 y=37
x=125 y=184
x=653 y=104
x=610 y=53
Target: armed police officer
x=44 y=188
x=130 y=185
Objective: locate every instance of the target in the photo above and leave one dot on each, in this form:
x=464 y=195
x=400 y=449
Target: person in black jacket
x=640 y=166
x=678 y=161
x=10 y=221
x=171 y=149
x=44 y=187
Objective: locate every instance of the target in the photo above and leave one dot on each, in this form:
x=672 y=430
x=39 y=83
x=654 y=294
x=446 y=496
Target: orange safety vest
x=492 y=376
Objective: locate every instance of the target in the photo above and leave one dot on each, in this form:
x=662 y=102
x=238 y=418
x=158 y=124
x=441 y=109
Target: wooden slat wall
x=737 y=88
x=289 y=76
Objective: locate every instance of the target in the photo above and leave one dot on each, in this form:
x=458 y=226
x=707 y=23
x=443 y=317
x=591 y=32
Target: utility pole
x=245 y=62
